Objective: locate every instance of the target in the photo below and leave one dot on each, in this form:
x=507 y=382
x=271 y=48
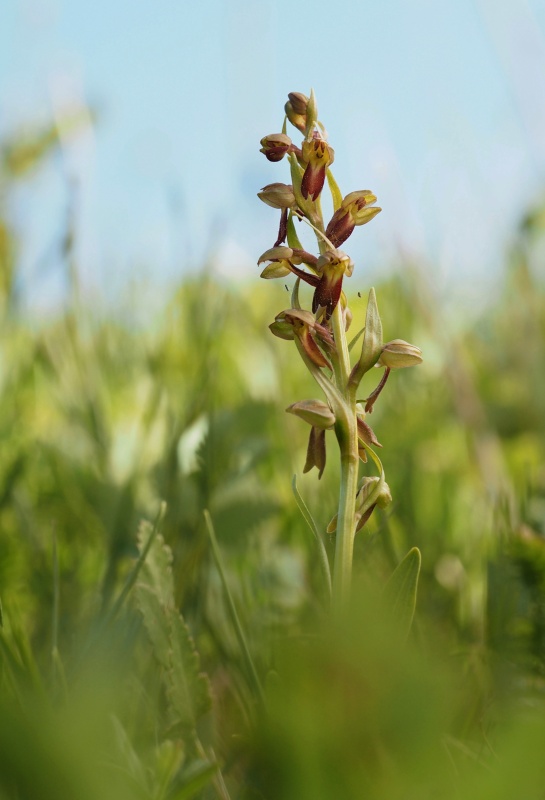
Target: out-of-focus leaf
x=400 y=591
x=187 y=688
x=192 y=780
x=156 y=572
x=132 y=762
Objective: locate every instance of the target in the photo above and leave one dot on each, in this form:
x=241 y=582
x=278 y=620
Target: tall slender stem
x=347 y=436
x=342 y=573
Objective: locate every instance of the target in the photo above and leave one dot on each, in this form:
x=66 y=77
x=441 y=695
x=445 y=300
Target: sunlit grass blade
x=252 y=672
x=309 y=519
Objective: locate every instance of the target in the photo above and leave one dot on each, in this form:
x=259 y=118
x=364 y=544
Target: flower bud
x=275 y=146
x=315 y=412
x=363 y=509
x=296 y=110
x=368 y=485
x=277 y=195
x=298 y=102
x=398 y=353
x=311 y=115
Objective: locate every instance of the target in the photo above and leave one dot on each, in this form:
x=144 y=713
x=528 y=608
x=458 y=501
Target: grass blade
x=233 y=611
x=324 y=562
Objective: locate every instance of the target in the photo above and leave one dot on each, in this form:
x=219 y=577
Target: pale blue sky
x=438 y=107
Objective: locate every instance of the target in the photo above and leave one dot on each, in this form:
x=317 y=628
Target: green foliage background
x=125 y=679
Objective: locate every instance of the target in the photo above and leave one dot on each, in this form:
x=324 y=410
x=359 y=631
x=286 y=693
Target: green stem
x=342 y=372
x=342 y=574
x=347 y=436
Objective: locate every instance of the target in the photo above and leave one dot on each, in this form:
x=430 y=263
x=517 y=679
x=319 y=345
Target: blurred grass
x=100 y=421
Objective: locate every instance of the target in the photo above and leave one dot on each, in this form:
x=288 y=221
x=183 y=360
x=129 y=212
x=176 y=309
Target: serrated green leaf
x=187 y=688
x=145 y=537
x=401 y=589
x=156 y=623
x=156 y=571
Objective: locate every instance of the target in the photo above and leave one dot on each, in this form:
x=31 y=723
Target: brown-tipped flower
x=277 y=195
x=275 y=146
x=296 y=110
x=398 y=354
x=292 y=254
x=284 y=260
x=316 y=454
x=317 y=155
x=315 y=412
x=296 y=323
x=358 y=205
x=332 y=266
x=356 y=209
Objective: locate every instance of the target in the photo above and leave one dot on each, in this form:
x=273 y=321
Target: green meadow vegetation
x=149 y=651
